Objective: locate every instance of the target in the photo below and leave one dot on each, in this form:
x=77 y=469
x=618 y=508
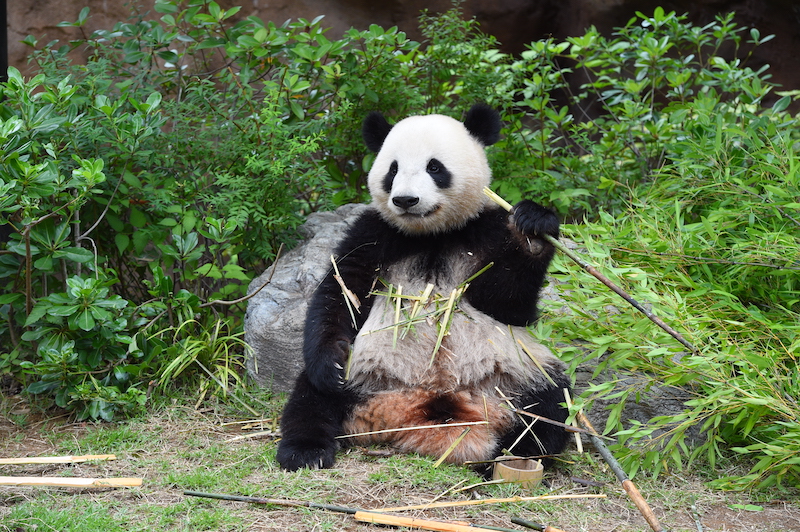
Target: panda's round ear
x=374 y=130
x=483 y=123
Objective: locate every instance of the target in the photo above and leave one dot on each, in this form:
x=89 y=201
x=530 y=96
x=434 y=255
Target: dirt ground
x=680 y=502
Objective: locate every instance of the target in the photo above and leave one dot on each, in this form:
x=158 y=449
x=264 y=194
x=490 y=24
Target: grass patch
x=177 y=448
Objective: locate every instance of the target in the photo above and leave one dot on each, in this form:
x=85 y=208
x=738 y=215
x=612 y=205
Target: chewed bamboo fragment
x=350 y=298
x=71 y=482
x=397 y=307
x=56 y=459
x=444 y=323
x=452 y=447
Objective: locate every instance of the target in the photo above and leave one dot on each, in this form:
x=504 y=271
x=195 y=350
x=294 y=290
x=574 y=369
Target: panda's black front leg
x=310 y=424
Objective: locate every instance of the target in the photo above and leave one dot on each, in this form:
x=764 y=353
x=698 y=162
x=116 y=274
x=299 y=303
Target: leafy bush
x=709 y=238
x=195 y=148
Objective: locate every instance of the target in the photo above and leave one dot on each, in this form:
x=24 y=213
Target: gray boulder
x=275 y=316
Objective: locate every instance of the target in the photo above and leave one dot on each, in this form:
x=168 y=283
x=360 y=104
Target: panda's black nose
x=405 y=202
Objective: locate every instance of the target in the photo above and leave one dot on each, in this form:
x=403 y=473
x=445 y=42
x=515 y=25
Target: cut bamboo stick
x=71 y=482
x=600 y=277
x=411 y=522
x=629 y=487
x=447 y=504
x=56 y=459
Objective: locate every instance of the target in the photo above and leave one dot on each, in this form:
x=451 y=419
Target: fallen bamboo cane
x=413 y=522
x=629 y=487
x=366 y=516
x=602 y=278
x=56 y=459
x=447 y=504
x=535 y=526
x=71 y=482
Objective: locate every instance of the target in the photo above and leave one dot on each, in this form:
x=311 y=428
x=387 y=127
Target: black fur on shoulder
x=483 y=123
x=374 y=130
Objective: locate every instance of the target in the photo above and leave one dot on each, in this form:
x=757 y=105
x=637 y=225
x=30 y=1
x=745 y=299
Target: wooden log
x=71 y=482
x=56 y=459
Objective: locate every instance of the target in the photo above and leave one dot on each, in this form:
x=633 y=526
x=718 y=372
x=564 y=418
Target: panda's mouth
x=411 y=214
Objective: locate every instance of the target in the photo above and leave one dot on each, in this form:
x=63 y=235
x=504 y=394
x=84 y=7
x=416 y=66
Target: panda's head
x=429 y=172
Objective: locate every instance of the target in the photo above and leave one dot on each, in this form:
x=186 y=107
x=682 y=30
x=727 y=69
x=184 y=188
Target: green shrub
x=166 y=170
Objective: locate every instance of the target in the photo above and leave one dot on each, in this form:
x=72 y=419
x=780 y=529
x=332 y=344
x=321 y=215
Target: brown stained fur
x=418 y=408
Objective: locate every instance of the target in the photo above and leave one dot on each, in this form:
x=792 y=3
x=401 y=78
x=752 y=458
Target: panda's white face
x=429 y=174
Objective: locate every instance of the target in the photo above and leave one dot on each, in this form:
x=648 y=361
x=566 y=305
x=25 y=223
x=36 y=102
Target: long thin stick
x=413 y=522
x=69 y=482
x=602 y=278
x=629 y=487
x=275 y=502
x=367 y=516
x=447 y=504
x=56 y=459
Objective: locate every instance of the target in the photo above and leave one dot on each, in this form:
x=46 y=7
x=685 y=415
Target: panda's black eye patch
x=441 y=175
x=388 y=179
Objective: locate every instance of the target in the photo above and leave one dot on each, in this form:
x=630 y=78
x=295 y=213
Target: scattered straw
x=418 y=427
x=452 y=447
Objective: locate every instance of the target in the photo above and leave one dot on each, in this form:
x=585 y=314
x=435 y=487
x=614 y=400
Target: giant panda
x=376 y=361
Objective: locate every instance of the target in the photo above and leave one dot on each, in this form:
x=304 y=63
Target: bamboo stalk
x=70 y=482
x=454 y=504
x=535 y=526
x=424 y=524
x=602 y=278
x=275 y=502
x=366 y=516
x=629 y=487
x=56 y=459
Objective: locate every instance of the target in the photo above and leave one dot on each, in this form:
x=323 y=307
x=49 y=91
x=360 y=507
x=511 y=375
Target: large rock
x=276 y=315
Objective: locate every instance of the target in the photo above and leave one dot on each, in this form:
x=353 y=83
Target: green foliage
x=712 y=244
x=144 y=187
x=584 y=148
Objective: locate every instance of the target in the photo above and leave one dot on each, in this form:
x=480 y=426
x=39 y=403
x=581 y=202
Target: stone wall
x=513 y=22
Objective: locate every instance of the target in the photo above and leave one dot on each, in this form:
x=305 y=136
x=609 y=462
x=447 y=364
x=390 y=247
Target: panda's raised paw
x=532 y=219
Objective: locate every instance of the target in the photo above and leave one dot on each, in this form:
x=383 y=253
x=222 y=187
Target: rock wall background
x=513 y=22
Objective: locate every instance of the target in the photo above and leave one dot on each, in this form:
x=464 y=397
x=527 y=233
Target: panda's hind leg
x=532 y=437
x=310 y=424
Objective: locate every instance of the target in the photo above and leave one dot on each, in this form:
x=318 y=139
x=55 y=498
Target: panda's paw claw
x=292 y=457
x=532 y=219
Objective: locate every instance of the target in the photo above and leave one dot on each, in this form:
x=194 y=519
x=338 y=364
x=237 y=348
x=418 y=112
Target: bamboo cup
x=527 y=473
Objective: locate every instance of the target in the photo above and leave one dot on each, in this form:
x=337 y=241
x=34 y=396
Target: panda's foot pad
x=294 y=456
